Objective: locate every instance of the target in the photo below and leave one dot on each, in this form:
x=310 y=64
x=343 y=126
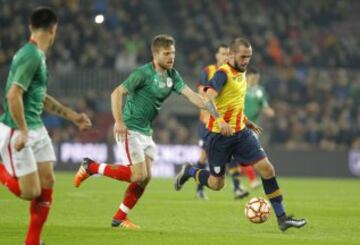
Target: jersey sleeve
x=25 y=68
x=204 y=77
x=134 y=81
x=179 y=83
x=218 y=81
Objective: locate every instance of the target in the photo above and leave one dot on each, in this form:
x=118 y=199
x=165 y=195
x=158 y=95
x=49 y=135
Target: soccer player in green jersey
x=146 y=88
x=25 y=146
x=256 y=100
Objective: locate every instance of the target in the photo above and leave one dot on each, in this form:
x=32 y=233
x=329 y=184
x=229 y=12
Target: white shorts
x=135 y=147
x=37 y=149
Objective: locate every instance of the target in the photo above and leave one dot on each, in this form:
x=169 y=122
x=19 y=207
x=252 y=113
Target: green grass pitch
x=82 y=216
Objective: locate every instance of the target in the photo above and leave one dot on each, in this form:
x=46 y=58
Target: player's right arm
x=16 y=108
x=117 y=96
x=26 y=65
x=217 y=83
x=129 y=86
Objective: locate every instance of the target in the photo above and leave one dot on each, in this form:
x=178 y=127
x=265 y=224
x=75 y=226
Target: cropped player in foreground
x=231 y=135
x=146 y=88
x=25 y=145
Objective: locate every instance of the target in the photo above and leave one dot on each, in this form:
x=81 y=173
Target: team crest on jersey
x=169 y=82
x=217 y=170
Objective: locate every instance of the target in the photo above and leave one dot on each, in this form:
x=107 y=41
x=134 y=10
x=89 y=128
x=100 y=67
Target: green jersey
x=255 y=101
x=28 y=70
x=147 y=90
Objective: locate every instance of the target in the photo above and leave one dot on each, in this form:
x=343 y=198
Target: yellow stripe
x=197 y=176
x=274 y=194
x=233 y=170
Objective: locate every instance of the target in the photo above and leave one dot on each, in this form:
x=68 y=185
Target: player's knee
x=48 y=181
x=30 y=193
x=217 y=185
x=139 y=177
x=268 y=171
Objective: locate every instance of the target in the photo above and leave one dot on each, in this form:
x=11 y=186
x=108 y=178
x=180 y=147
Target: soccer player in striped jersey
x=232 y=134
x=25 y=145
x=146 y=88
x=221 y=55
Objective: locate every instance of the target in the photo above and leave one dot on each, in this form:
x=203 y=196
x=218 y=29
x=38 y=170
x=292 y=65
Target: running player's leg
x=18 y=171
x=219 y=150
x=131 y=153
x=234 y=171
x=146 y=145
x=250 y=152
x=40 y=207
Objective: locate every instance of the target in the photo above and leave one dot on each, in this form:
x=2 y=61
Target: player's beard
x=240 y=68
x=166 y=66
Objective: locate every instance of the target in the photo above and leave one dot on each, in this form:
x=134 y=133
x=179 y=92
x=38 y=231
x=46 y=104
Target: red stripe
x=211 y=123
x=227 y=115
x=10 y=153
x=238 y=121
x=127 y=148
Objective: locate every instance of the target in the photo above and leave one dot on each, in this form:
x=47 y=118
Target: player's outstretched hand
x=225 y=128
x=120 y=131
x=82 y=121
x=21 y=140
x=254 y=127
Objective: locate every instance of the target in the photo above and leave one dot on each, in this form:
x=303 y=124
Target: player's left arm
x=53 y=106
x=253 y=126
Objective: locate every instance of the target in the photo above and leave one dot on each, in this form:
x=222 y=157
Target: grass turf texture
x=83 y=216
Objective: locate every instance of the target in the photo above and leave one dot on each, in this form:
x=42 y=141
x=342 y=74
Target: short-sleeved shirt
x=29 y=71
x=147 y=90
x=255 y=101
x=230 y=84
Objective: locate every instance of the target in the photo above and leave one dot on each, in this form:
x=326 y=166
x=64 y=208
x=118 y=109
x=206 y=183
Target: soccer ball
x=257 y=210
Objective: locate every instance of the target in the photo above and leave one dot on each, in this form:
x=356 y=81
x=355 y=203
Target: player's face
x=222 y=55
x=165 y=57
x=242 y=57
x=52 y=32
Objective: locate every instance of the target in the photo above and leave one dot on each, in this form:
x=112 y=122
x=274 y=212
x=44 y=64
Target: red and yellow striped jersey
x=230 y=100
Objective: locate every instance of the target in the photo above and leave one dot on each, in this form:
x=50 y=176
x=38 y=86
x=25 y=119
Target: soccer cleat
x=286 y=222
x=240 y=193
x=182 y=177
x=127 y=224
x=201 y=195
x=83 y=172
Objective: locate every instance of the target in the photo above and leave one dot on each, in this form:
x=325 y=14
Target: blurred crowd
x=283 y=33
x=307 y=52
x=117 y=43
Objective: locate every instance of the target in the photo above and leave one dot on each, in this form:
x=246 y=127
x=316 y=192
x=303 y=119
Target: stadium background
x=307 y=51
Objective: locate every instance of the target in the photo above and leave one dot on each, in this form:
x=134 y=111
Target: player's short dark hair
x=221 y=45
x=161 y=41
x=43 y=17
x=252 y=70
x=237 y=42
